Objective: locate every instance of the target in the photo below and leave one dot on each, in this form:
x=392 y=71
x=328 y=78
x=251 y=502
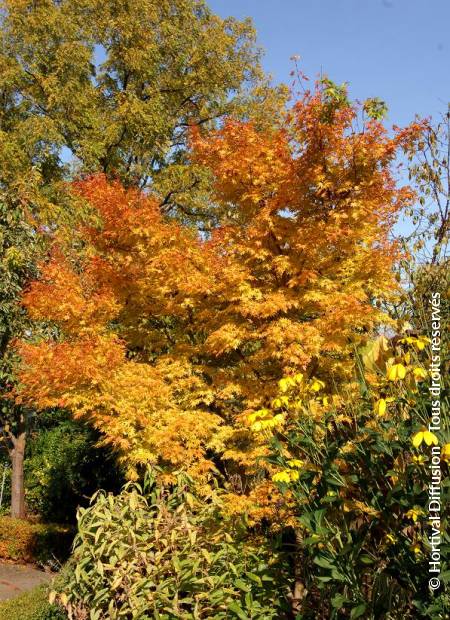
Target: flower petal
x=417 y=439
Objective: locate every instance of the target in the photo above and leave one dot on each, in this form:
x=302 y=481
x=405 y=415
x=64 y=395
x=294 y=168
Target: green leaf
x=323 y=562
x=254 y=578
x=237 y=609
x=358 y=611
x=338 y=601
x=445 y=576
x=239 y=583
x=337 y=575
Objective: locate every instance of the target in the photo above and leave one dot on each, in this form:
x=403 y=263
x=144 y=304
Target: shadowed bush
x=43 y=544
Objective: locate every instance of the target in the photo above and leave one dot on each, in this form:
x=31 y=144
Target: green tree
x=65 y=465
x=18 y=247
x=117 y=85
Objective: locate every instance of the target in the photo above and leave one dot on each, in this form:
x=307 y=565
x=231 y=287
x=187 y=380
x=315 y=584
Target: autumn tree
x=117 y=356
x=113 y=86
x=167 y=341
x=311 y=210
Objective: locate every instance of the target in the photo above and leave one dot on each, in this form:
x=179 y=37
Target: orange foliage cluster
x=167 y=339
x=118 y=309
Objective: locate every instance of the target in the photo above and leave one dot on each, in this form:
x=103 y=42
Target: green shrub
x=32 y=605
x=42 y=543
x=64 y=467
x=160 y=555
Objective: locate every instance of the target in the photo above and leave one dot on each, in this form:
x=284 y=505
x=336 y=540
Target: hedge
x=39 y=543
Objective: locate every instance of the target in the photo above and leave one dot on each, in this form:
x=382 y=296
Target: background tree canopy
x=116 y=85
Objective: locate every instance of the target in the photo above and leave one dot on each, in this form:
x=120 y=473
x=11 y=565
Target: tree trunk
x=17 y=481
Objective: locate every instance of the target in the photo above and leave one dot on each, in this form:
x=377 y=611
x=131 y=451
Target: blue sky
x=398 y=50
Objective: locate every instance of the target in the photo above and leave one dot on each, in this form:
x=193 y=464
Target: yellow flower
x=419 y=342
x=282 y=476
x=262 y=425
x=446 y=452
x=419 y=459
x=380 y=407
x=420 y=373
x=282 y=401
x=414 y=513
x=390 y=538
x=257 y=426
x=424 y=435
x=262 y=420
x=285 y=383
x=408 y=339
x=288 y=475
x=415 y=548
x=397 y=371
x=256 y=415
x=295 y=463
x=316 y=385
x=278 y=419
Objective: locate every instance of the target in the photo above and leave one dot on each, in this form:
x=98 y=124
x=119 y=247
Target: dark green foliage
x=64 y=467
x=18 y=247
x=18 y=244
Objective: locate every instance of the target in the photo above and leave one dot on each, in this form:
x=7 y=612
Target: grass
x=32 y=605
